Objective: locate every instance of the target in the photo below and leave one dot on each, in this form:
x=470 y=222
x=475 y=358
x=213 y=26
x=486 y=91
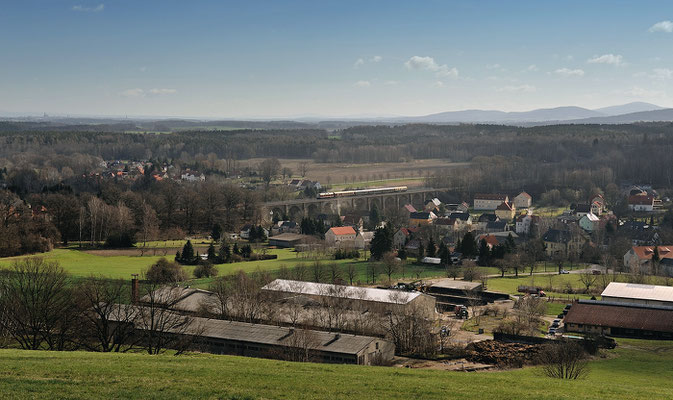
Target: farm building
x=641 y=256
x=341 y=234
x=620 y=319
x=489 y=201
x=639 y=294
x=286 y=240
x=359 y=298
x=269 y=341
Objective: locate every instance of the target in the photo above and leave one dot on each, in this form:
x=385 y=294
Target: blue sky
x=330 y=58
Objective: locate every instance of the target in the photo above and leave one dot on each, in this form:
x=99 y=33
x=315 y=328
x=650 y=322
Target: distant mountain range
x=620 y=114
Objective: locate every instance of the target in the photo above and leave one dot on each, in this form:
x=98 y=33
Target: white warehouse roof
x=638 y=291
x=348 y=292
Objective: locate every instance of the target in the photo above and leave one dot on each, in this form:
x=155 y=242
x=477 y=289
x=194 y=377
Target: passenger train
x=361 y=192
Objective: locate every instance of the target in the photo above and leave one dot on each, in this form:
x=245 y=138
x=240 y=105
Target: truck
x=461 y=312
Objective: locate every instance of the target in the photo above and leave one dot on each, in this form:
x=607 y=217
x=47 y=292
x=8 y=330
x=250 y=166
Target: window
x=377 y=345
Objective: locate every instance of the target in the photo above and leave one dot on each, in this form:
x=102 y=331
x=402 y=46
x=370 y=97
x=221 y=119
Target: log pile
x=503 y=354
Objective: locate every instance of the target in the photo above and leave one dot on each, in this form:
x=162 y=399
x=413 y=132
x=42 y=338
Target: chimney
x=135 y=293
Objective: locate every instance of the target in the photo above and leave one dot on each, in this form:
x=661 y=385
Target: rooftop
x=490 y=196
x=349 y=292
x=454 y=284
x=621 y=315
x=342 y=230
x=638 y=291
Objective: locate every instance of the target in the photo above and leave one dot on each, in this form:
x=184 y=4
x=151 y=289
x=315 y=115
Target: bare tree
x=105 y=318
x=588 y=279
x=564 y=360
x=36 y=307
x=351 y=272
x=269 y=169
x=390 y=265
x=303 y=168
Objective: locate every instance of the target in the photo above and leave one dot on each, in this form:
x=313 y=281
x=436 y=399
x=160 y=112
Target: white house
x=641 y=202
x=489 y=201
x=524 y=223
x=589 y=222
x=340 y=234
x=363 y=239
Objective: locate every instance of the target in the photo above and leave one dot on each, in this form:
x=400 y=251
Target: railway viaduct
x=298 y=208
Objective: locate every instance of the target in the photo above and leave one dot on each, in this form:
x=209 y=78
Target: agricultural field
x=411 y=173
x=635 y=370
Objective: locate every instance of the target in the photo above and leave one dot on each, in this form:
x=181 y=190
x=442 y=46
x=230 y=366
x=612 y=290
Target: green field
x=83 y=264
x=635 y=370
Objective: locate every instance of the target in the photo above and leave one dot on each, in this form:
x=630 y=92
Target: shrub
x=164 y=271
x=205 y=270
x=564 y=360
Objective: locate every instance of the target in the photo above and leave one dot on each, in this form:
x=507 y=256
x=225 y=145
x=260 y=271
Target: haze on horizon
x=267 y=59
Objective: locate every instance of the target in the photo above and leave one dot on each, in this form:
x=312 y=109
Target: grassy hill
x=635 y=370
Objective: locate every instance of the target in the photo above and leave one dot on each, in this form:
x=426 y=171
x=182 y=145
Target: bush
x=118 y=240
x=564 y=360
x=205 y=270
x=164 y=271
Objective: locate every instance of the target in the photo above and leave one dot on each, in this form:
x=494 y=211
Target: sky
x=285 y=59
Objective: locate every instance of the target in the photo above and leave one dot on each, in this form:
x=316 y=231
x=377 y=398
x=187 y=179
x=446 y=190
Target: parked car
x=552 y=331
x=564 y=271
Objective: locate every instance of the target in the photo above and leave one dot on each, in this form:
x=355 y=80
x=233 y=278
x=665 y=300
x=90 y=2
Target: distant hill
x=494 y=116
x=665 y=114
x=635 y=107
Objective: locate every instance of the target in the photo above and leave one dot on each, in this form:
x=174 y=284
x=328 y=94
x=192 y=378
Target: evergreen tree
x=212 y=257
x=236 y=249
x=484 y=253
x=510 y=245
x=402 y=254
x=225 y=252
x=431 y=251
x=188 y=253
x=216 y=232
x=178 y=256
x=421 y=251
x=444 y=254
x=469 y=245
x=382 y=242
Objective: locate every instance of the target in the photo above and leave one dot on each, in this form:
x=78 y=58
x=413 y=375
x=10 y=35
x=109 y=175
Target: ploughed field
x=635 y=370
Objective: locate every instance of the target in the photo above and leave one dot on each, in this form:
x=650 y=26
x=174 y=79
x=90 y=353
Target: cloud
x=569 y=72
x=493 y=66
x=159 y=92
x=429 y=64
x=517 y=89
x=612 y=59
x=362 y=84
x=137 y=92
x=361 y=61
x=662 y=73
x=390 y=83
x=532 y=68
x=438 y=84
x=82 y=8
x=663 y=26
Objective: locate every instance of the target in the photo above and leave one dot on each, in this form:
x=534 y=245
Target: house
x=489 y=201
x=192 y=176
x=484 y=219
x=653 y=295
x=505 y=211
x=620 y=319
x=462 y=207
x=245 y=231
x=463 y=219
x=640 y=233
x=340 y=234
x=641 y=202
x=413 y=245
x=421 y=218
x=524 y=223
x=433 y=204
x=448 y=224
x=402 y=236
x=558 y=242
x=523 y=200
x=286 y=227
x=641 y=256
x=491 y=240
x=363 y=239
x=589 y=222
x=496 y=226
x=581 y=209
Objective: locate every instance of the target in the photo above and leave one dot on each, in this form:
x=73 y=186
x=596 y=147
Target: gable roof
x=641 y=199
x=556 y=236
x=621 y=315
x=488 y=218
x=591 y=217
x=349 y=292
x=525 y=195
x=504 y=206
x=421 y=215
x=638 y=291
x=646 y=252
x=342 y=230
x=410 y=208
x=584 y=208
x=408 y=231
x=489 y=239
x=463 y=216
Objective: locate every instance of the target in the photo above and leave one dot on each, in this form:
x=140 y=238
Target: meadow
x=635 y=370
